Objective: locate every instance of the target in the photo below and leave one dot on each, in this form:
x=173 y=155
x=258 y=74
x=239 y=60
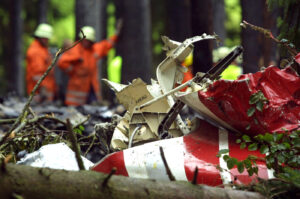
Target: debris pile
x=155 y=142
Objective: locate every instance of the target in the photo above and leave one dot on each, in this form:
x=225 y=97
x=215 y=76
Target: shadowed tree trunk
x=135 y=39
x=42 y=11
x=219 y=17
x=33 y=183
x=14 y=69
x=202 y=23
x=89 y=13
x=178 y=23
x=252 y=41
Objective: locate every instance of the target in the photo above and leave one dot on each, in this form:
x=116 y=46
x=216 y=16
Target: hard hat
x=89 y=33
x=44 y=31
x=188 y=60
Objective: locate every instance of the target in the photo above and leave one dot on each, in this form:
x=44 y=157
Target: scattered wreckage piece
x=228 y=103
x=183 y=155
x=47 y=156
x=144 y=123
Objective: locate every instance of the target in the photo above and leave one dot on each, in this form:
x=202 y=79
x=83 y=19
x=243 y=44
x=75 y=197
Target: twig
x=91 y=145
x=82 y=122
x=169 y=173
x=104 y=183
x=194 y=181
x=8 y=121
x=25 y=109
x=269 y=35
x=75 y=145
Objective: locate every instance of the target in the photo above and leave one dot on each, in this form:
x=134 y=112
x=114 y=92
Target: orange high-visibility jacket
x=38 y=58
x=81 y=66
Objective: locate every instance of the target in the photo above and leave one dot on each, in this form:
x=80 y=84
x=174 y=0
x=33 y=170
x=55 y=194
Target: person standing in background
x=80 y=63
x=38 y=58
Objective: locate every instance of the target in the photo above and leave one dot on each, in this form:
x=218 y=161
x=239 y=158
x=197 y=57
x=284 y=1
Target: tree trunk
x=42 y=11
x=202 y=23
x=270 y=50
x=219 y=17
x=88 y=13
x=14 y=69
x=252 y=42
x=135 y=39
x=36 y=183
x=178 y=23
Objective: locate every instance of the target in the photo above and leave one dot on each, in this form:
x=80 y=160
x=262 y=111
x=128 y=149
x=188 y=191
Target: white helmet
x=89 y=33
x=44 y=31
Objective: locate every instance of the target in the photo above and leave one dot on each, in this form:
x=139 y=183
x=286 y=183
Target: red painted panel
x=112 y=160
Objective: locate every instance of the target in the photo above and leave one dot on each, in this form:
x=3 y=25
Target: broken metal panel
x=183 y=155
x=137 y=94
x=116 y=87
x=227 y=102
x=48 y=156
x=167 y=69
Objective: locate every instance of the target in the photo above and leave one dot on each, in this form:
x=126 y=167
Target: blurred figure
x=38 y=58
x=80 y=63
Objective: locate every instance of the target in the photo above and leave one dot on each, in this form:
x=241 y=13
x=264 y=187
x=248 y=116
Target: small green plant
x=79 y=129
x=257 y=102
x=258 y=99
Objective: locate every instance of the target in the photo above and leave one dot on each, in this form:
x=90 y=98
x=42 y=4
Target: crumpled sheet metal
x=183 y=155
x=226 y=102
x=54 y=156
x=131 y=96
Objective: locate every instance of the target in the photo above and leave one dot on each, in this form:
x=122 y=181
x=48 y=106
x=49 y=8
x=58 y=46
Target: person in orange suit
x=38 y=58
x=80 y=63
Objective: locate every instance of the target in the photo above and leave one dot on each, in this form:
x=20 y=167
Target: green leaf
x=264 y=149
x=240 y=167
x=254 y=98
x=238 y=141
x=251 y=111
x=247 y=163
x=246 y=138
x=248 y=127
x=280 y=158
x=287 y=145
x=250 y=171
x=277 y=137
x=81 y=127
x=294 y=134
x=268 y=137
x=260 y=106
x=223 y=151
x=243 y=145
x=252 y=147
x=259 y=137
x=255 y=170
x=226 y=157
x=230 y=163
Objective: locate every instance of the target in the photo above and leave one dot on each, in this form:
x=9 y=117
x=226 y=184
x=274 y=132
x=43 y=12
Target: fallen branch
x=269 y=35
x=33 y=183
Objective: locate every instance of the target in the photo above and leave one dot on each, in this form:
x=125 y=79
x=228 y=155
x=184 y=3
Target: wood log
x=31 y=182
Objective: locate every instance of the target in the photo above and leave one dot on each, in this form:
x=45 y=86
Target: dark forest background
x=144 y=21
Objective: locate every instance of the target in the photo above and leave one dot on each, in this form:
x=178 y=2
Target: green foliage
x=257 y=101
x=289 y=22
x=233 y=19
x=79 y=129
x=282 y=155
